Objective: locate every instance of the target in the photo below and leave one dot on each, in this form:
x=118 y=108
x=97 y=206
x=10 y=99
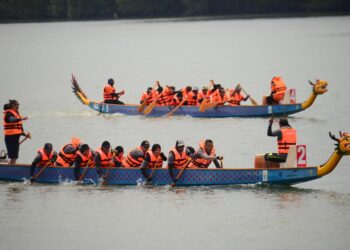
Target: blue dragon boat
x=190 y=177
x=318 y=88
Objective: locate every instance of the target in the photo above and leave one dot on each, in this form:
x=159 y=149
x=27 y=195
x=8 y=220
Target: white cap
x=180 y=143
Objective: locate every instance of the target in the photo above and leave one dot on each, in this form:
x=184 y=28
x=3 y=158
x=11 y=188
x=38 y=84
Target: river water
x=37 y=60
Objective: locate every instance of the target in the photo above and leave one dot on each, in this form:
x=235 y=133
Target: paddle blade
x=210 y=105
x=201 y=107
x=253 y=101
x=150 y=107
x=142 y=106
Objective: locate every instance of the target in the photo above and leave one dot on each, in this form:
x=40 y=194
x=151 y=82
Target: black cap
x=119 y=149
x=84 y=147
x=48 y=146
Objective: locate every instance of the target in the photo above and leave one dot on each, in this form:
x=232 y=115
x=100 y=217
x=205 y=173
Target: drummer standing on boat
x=13 y=129
x=109 y=93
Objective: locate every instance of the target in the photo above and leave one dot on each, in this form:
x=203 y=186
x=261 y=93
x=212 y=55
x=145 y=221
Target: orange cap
x=75 y=142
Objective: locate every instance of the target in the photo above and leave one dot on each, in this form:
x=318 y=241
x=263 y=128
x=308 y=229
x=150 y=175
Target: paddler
x=236 y=96
x=154 y=159
x=221 y=97
x=204 y=94
x=103 y=157
x=192 y=98
x=68 y=153
x=13 y=129
x=176 y=99
x=278 y=88
x=136 y=156
x=204 y=155
x=286 y=137
x=178 y=158
x=167 y=93
x=84 y=158
x=148 y=96
x=118 y=156
x=109 y=93
x=45 y=156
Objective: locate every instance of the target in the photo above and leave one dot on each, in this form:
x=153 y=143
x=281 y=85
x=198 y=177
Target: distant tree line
x=22 y=10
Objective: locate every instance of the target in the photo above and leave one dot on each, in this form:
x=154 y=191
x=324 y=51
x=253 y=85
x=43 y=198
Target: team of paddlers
x=80 y=155
x=192 y=96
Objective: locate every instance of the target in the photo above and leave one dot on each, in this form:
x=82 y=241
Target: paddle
x=28 y=136
x=144 y=102
x=250 y=98
x=211 y=105
x=83 y=173
x=203 y=104
x=178 y=106
x=41 y=171
x=181 y=172
x=155 y=167
x=150 y=107
x=104 y=182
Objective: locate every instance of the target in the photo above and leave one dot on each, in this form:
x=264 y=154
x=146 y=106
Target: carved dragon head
x=320 y=87
x=343 y=142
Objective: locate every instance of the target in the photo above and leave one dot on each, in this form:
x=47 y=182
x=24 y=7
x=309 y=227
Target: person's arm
x=171 y=165
x=10 y=118
x=203 y=155
x=144 y=165
x=97 y=161
x=275 y=133
x=35 y=162
x=77 y=164
x=217 y=164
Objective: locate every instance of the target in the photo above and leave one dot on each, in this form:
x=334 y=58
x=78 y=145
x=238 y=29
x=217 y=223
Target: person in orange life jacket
x=176 y=99
x=178 y=157
x=204 y=94
x=103 y=157
x=109 y=94
x=221 y=97
x=205 y=155
x=192 y=98
x=118 y=156
x=136 y=156
x=278 y=88
x=286 y=137
x=215 y=91
x=84 y=158
x=13 y=129
x=166 y=93
x=154 y=159
x=44 y=156
x=68 y=153
x=237 y=96
x=147 y=96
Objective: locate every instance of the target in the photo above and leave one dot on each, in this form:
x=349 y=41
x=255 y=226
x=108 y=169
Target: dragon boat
x=190 y=177
x=318 y=88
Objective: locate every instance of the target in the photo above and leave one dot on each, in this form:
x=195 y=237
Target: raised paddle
x=181 y=172
x=41 y=171
x=177 y=107
x=250 y=98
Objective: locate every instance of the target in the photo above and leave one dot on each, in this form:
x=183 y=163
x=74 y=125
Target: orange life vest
x=236 y=98
x=179 y=159
x=202 y=96
x=175 y=101
x=289 y=137
x=184 y=92
x=105 y=159
x=166 y=97
x=154 y=160
x=44 y=157
x=146 y=96
x=199 y=162
x=108 y=93
x=13 y=128
x=86 y=160
x=130 y=162
x=191 y=100
x=219 y=99
x=118 y=160
x=278 y=88
x=64 y=159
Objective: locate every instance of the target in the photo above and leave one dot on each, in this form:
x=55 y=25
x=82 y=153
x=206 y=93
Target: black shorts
x=270 y=100
x=114 y=102
x=12 y=145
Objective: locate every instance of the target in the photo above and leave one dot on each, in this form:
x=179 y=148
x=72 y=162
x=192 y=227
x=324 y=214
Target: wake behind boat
x=318 y=88
x=282 y=175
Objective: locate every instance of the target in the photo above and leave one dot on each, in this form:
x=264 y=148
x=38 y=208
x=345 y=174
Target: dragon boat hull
x=218 y=112
x=190 y=177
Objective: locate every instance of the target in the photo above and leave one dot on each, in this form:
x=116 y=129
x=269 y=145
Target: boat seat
x=289 y=97
x=291 y=161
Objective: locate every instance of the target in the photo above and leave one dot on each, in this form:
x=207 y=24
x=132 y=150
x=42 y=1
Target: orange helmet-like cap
x=75 y=142
x=277 y=79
